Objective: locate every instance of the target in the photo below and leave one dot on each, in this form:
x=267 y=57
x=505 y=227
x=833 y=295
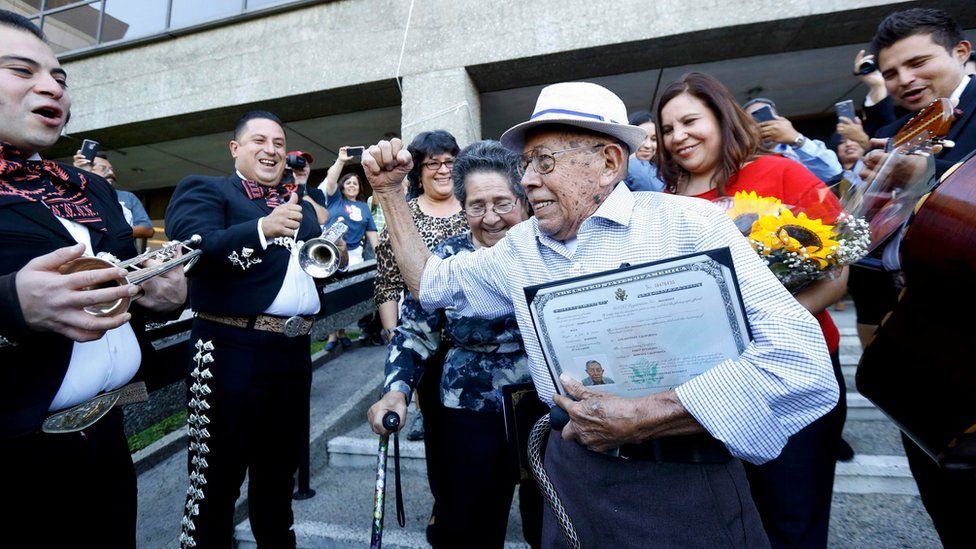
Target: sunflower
x=809 y=238
x=749 y=207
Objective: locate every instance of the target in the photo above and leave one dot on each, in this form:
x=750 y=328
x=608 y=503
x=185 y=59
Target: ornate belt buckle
x=295 y=326
x=82 y=416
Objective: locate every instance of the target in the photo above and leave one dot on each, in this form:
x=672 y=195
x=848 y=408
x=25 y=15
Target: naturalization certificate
x=641 y=329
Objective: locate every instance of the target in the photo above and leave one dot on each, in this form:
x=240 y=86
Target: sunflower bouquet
x=798 y=248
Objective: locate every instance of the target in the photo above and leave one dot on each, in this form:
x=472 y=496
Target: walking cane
x=391 y=421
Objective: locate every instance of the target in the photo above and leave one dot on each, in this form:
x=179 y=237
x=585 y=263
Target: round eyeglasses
x=543 y=160
x=500 y=208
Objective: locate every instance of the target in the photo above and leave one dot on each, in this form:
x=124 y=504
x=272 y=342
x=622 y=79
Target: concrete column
x=441 y=100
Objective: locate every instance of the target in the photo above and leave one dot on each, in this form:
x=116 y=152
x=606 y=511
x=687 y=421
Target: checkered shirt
x=782 y=382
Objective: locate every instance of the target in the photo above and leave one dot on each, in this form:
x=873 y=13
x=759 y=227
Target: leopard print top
x=389 y=283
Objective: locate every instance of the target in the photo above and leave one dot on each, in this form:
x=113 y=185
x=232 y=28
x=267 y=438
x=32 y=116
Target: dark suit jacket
x=962 y=132
x=234 y=276
x=31 y=371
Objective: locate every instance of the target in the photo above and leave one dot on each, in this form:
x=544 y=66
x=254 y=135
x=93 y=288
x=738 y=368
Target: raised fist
x=386 y=164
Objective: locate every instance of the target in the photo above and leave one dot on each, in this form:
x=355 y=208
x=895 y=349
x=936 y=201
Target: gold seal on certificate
x=641 y=329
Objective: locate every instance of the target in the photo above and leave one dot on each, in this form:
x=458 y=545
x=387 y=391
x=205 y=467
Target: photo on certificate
x=641 y=329
x=593 y=370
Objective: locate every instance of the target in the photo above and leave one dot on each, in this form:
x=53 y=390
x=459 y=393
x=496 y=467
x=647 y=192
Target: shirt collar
x=617 y=208
x=957 y=93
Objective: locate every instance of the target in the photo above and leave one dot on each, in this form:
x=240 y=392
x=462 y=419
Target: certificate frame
x=710 y=272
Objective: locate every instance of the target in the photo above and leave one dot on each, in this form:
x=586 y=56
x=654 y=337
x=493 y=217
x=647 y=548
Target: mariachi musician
x=67 y=472
x=251 y=375
x=922 y=55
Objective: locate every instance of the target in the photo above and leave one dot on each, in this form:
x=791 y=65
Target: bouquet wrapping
x=798 y=246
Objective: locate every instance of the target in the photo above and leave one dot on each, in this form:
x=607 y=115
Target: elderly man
x=682 y=484
x=63 y=454
x=594 y=374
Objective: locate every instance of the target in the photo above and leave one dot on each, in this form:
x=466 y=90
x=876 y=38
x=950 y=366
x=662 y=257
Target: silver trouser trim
x=197 y=422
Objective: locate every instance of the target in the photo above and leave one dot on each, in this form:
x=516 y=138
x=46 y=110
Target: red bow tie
x=273 y=196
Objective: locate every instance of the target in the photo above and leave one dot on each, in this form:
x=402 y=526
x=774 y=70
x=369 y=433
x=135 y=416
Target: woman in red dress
x=712 y=149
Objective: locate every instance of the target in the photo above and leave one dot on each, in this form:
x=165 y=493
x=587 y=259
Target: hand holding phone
x=845 y=109
x=763 y=114
x=89 y=149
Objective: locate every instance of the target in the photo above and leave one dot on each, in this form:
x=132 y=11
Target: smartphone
x=845 y=109
x=763 y=114
x=355 y=151
x=89 y=149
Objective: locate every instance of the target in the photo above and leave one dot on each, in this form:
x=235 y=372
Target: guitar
x=907 y=172
x=919 y=369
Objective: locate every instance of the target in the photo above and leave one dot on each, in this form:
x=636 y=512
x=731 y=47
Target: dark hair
x=739 y=132
x=640 y=117
x=422 y=147
x=902 y=24
x=345 y=177
x=255 y=115
x=19 y=22
x=486 y=156
x=102 y=155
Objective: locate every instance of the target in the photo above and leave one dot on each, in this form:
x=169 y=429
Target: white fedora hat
x=581 y=104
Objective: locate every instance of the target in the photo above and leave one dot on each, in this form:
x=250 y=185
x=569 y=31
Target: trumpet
x=320 y=257
x=166 y=256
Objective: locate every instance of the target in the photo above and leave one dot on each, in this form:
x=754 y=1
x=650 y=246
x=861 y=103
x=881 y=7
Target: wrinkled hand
x=853 y=130
x=598 y=421
x=386 y=164
x=166 y=291
x=283 y=220
x=394 y=401
x=779 y=130
x=52 y=302
x=81 y=162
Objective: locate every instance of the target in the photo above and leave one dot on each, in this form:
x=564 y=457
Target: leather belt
x=84 y=415
x=681 y=449
x=293 y=326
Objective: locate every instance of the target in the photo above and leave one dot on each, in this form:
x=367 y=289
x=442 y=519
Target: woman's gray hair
x=486 y=156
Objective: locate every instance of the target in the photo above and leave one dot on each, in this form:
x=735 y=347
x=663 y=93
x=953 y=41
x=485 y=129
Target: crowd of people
x=743 y=455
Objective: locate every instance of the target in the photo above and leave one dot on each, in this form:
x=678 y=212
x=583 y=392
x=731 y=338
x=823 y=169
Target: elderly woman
x=480 y=356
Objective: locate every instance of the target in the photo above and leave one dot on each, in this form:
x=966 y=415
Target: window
x=73 y=25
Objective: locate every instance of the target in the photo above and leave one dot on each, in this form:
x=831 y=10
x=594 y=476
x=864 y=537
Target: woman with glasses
x=711 y=149
x=480 y=356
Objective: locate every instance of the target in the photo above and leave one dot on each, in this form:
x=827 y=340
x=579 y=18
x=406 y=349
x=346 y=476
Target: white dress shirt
x=101 y=365
x=782 y=381
x=297 y=295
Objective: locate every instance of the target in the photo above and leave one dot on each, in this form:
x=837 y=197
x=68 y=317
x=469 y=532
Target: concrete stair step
x=361 y=452
x=859 y=408
x=868 y=474
x=873 y=438
x=321 y=535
